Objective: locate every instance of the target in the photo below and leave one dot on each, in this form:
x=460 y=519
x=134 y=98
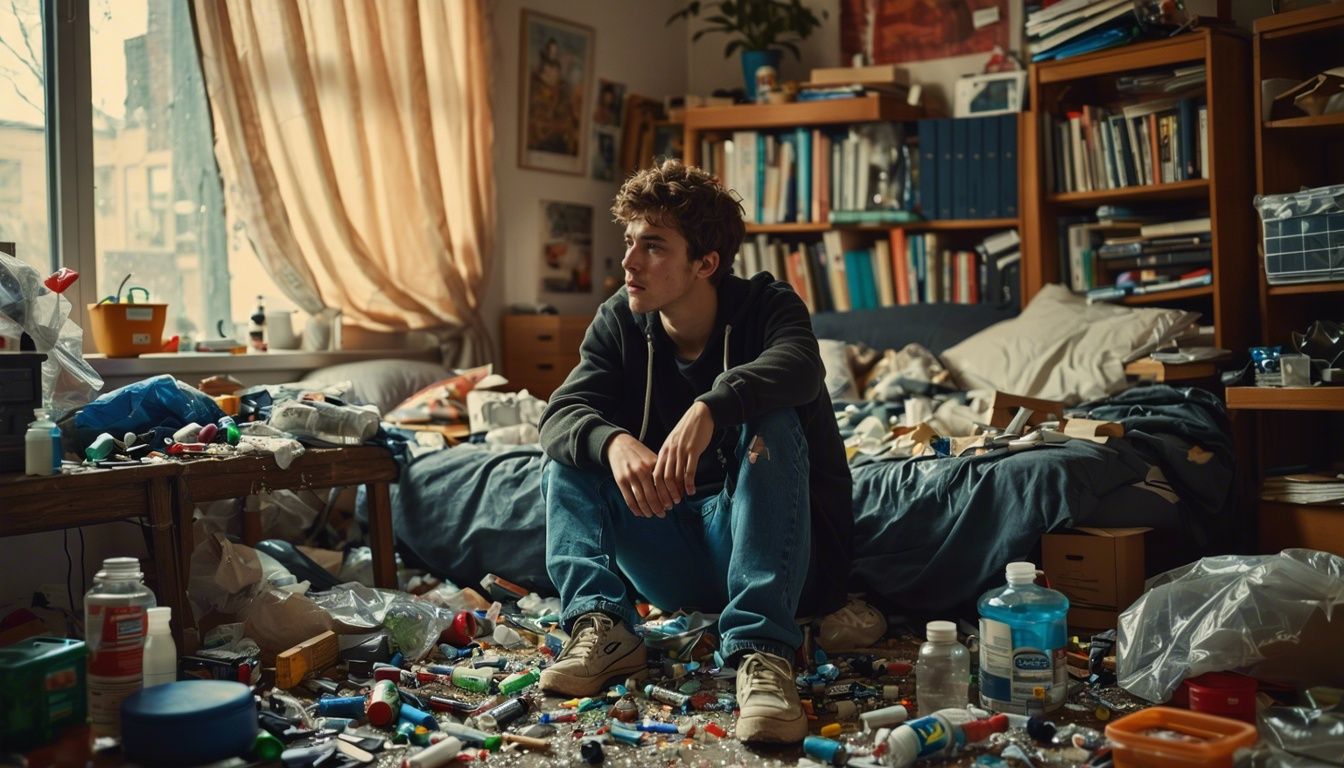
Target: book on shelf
x=1304 y=488
x=951 y=152
x=874 y=74
x=1199 y=226
x=1156 y=141
x=1188 y=280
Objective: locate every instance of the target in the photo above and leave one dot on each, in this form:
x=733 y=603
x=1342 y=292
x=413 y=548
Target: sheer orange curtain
x=355 y=138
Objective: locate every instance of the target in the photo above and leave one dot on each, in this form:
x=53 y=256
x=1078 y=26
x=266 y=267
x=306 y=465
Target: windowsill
x=222 y=362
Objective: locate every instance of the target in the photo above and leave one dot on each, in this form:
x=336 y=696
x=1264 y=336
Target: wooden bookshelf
x=1223 y=194
x=1323 y=398
x=1293 y=425
x=937 y=225
x=865 y=109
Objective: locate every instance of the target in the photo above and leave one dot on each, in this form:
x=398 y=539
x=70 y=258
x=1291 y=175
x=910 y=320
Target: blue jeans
x=742 y=553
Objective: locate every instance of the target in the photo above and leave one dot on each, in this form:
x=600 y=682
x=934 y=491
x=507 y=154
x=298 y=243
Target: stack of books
x=1138 y=259
x=1304 y=489
x=1073 y=27
x=1151 y=142
x=852 y=82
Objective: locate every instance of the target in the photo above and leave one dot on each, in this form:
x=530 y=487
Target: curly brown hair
x=689 y=200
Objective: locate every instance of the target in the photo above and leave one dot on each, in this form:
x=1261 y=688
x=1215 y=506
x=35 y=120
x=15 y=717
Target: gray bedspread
x=931 y=534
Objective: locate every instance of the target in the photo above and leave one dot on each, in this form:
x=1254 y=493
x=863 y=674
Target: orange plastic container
x=127 y=330
x=1163 y=737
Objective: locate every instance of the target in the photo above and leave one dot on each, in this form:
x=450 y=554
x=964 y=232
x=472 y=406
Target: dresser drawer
x=541 y=350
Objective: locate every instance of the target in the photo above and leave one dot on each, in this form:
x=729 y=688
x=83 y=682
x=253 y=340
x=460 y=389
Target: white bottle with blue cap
x=42 y=446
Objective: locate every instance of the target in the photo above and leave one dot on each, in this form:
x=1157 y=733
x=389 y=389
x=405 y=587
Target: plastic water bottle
x=943 y=670
x=114 y=630
x=1023 y=632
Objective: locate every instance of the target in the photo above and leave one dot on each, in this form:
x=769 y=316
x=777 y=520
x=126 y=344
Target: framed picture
x=566 y=247
x=992 y=93
x=895 y=31
x=556 y=72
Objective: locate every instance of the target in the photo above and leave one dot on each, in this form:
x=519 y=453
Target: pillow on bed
x=383 y=383
x=839 y=376
x=1062 y=348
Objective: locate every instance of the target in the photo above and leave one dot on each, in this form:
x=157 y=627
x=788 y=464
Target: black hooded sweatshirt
x=761 y=355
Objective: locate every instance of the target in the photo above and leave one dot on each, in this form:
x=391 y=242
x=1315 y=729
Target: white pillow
x=839 y=378
x=1062 y=348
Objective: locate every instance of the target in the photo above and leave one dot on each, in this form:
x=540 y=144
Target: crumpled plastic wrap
x=278 y=620
x=1274 y=617
x=414 y=625
x=224 y=576
x=1303 y=732
x=28 y=306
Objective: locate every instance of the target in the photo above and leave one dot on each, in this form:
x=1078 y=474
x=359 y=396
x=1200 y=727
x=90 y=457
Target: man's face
x=658 y=271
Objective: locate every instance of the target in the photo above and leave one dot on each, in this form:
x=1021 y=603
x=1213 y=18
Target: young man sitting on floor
x=695 y=453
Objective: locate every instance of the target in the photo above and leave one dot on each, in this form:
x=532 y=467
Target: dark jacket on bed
x=628 y=380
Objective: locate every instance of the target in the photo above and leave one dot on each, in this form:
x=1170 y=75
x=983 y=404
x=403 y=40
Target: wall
x=633 y=47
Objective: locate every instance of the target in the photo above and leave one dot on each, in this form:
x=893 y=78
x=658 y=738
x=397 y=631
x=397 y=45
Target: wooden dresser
x=541 y=350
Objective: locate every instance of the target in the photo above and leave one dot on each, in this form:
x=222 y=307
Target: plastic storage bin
x=1304 y=235
x=1163 y=737
x=127 y=330
x=41 y=690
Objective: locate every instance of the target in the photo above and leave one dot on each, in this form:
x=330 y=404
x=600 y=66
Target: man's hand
x=632 y=465
x=675 y=471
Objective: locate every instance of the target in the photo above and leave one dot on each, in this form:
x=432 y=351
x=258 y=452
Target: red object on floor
x=1226 y=694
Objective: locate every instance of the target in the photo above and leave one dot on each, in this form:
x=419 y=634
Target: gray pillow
x=384 y=383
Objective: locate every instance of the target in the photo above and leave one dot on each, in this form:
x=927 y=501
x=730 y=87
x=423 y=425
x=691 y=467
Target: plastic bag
x=224 y=576
x=28 y=306
x=414 y=625
x=278 y=620
x=1310 y=733
x=159 y=401
x=1271 y=616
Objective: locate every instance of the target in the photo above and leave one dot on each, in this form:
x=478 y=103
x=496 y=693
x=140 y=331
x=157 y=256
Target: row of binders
x=968 y=167
x=905 y=268
x=1153 y=142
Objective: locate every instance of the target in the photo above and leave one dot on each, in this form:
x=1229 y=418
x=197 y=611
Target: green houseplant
x=760 y=28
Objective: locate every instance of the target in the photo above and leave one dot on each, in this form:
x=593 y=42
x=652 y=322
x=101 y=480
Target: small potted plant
x=760 y=28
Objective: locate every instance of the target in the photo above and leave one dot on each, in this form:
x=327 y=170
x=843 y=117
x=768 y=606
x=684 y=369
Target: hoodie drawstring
x=648 y=376
x=648 y=386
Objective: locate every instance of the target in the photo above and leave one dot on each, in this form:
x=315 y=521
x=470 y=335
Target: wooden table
x=36 y=504
x=211 y=479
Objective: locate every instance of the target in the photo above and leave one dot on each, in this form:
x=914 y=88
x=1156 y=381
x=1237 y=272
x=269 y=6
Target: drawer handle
x=545 y=337
x=545 y=366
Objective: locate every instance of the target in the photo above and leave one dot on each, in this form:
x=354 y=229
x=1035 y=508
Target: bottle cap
x=1020 y=573
x=120 y=568
x=40 y=414
x=941 y=632
x=159 y=618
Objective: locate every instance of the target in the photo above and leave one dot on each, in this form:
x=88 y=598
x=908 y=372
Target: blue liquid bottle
x=1023 y=633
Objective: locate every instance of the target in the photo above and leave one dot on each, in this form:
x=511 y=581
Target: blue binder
x=928 y=164
x=1008 y=162
x=944 y=168
x=961 y=169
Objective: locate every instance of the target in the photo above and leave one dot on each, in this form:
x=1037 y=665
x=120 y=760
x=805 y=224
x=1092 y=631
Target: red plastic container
x=1225 y=694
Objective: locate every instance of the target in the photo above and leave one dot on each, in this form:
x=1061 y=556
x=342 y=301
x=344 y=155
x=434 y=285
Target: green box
x=41 y=690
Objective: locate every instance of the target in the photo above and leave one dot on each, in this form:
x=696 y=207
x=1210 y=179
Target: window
x=23 y=133
x=160 y=215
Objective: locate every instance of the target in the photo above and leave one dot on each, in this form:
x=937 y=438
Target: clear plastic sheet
x=414 y=625
x=1303 y=732
x=28 y=306
x=1271 y=616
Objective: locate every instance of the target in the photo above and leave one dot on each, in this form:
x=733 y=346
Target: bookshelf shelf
x=1192 y=189
x=938 y=225
x=1175 y=50
x=1331 y=124
x=1286 y=398
x=831 y=112
x=1302 y=289
x=1161 y=297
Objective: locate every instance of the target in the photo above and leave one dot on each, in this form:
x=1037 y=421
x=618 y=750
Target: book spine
x=928 y=163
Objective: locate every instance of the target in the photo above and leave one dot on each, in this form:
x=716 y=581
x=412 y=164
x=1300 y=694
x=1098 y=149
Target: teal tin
x=41 y=691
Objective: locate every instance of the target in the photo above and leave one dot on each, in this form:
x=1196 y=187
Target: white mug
x=280 y=331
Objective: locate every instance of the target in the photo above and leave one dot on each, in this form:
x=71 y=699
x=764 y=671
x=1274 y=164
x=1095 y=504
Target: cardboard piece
x=1004 y=406
x=1094 y=430
x=1100 y=570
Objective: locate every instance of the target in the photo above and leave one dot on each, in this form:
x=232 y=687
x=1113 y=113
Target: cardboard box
x=1101 y=571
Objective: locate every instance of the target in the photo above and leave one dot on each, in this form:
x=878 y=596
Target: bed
x=931 y=533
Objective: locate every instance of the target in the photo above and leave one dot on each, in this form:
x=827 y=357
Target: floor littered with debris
x=700 y=747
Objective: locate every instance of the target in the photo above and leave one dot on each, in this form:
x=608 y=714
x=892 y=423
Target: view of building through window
x=158 y=211
x=23 y=136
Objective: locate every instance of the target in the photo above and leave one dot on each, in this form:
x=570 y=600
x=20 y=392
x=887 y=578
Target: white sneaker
x=599 y=649
x=767 y=700
x=856 y=625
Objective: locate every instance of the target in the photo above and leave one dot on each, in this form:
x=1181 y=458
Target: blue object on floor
x=188 y=722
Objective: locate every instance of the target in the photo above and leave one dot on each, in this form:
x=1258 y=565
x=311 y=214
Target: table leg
x=166 y=562
x=381 y=540
x=183 y=509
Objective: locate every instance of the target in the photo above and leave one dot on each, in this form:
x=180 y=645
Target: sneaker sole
x=769 y=731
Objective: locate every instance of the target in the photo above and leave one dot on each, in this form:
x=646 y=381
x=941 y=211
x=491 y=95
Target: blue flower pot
x=754 y=60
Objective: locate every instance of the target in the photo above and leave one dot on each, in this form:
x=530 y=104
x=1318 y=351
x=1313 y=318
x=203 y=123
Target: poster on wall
x=895 y=31
x=566 y=247
x=555 y=92
x=607 y=128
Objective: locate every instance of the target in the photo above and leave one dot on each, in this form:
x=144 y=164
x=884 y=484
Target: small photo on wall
x=555 y=93
x=566 y=247
x=604 y=154
x=610 y=99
